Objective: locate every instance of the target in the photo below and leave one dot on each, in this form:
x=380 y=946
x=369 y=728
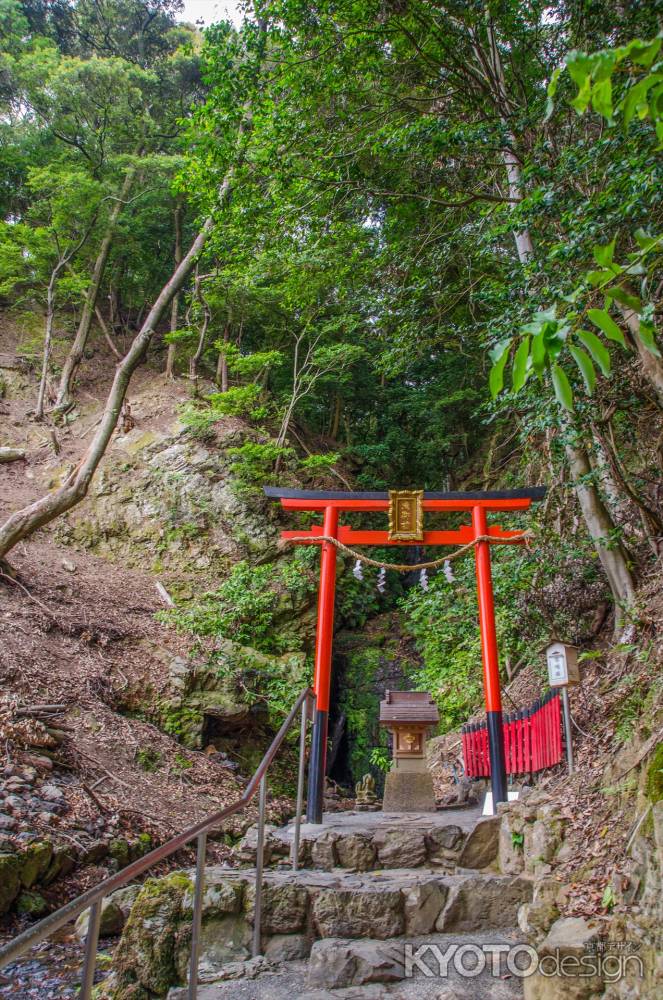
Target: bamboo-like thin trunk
x=197 y=355
x=336 y=418
x=172 y=347
x=75 y=355
x=222 y=362
x=48 y=337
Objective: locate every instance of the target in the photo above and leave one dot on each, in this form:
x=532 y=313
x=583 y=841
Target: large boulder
x=335 y=964
x=358 y=913
x=112 y=921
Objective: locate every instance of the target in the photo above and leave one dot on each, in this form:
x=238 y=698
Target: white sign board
x=562 y=664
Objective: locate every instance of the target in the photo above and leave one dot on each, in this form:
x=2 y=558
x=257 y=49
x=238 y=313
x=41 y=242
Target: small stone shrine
x=408 y=715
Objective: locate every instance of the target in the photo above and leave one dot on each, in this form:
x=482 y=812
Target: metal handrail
x=92 y=899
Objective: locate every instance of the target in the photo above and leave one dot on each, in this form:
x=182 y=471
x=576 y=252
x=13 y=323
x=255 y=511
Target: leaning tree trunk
x=651 y=365
x=601 y=527
x=24 y=522
x=75 y=355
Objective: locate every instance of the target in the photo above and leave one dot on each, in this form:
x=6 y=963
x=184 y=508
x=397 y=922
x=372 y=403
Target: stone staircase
x=347 y=926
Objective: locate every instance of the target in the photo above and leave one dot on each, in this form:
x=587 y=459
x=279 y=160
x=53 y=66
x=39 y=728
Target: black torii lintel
x=534 y=493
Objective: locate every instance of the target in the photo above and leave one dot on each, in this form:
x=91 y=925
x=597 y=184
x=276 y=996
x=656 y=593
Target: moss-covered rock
x=112 y=921
x=36 y=862
x=654 y=784
x=62 y=863
x=31 y=904
x=120 y=852
x=146 y=956
x=10 y=880
x=227 y=688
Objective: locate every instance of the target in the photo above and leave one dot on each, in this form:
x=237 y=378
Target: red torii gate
x=330 y=504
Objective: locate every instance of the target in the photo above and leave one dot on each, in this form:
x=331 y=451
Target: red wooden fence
x=532 y=740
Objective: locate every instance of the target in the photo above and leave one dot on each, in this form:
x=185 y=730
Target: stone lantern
x=408 y=715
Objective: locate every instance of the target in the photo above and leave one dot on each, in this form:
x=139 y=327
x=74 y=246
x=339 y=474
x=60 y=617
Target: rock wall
x=167 y=501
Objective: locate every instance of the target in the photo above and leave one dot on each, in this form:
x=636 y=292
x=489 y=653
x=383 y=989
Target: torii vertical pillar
x=491 y=666
x=322 y=669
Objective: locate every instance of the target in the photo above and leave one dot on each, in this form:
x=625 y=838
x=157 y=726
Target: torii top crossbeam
x=479 y=532
x=338 y=500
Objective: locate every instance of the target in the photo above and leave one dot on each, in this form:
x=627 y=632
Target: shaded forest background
x=409 y=243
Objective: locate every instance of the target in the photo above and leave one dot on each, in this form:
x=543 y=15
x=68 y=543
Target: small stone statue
x=366 y=799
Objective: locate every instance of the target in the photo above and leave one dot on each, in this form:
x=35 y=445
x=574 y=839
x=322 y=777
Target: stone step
x=369 y=969
x=380 y=904
x=302 y=909
x=374 y=841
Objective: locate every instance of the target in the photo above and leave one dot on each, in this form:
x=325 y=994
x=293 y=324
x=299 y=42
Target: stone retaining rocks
x=367 y=846
x=356 y=851
x=481 y=847
x=570 y=938
x=531 y=833
x=352 y=910
x=359 y=913
x=335 y=963
x=400 y=848
x=423 y=904
x=481 y=902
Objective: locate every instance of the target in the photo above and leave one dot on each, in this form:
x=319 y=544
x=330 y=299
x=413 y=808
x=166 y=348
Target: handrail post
x=199 y=890
x=300 y=787
x=260 y=857
x=91 y=943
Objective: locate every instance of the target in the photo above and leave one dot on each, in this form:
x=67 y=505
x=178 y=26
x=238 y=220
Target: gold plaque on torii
x=406 y=515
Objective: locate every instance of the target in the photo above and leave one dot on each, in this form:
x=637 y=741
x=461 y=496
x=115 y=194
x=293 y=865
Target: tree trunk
x=195 y=358
x=172 y=347
x=651 y=365
x=523 y=239
x=24 y=522
x=75 y=355
x=48 y=336
x=222 y=363
x=336 y=418
x=106 y=332
x=601 y=528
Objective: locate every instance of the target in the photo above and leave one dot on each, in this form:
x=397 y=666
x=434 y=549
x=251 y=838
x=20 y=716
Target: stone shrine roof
x=408 y=706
